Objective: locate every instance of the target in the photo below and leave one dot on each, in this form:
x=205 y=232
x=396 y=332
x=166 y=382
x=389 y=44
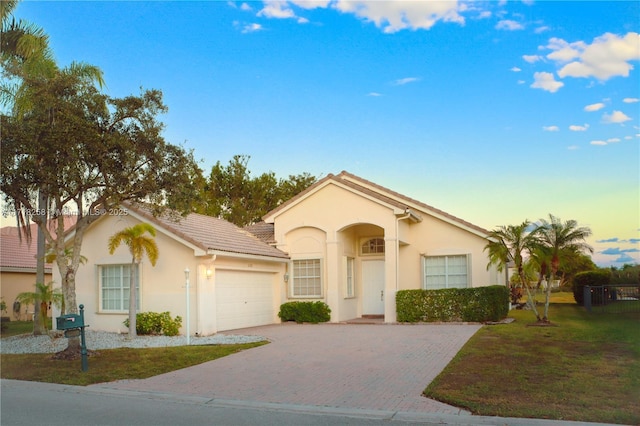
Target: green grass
x=585 y=368
x=106 y=365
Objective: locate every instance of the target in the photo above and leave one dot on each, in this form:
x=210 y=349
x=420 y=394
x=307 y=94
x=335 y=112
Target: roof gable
x=380 y=194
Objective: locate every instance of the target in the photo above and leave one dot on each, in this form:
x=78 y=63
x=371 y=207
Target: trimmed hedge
x=478 y=304
x=313 y=312
x=598 y=277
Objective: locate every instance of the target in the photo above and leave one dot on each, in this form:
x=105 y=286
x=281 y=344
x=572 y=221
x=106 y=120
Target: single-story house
x=345 y=241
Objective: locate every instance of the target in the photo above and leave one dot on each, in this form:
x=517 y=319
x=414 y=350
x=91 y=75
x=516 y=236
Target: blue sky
x=495 y=112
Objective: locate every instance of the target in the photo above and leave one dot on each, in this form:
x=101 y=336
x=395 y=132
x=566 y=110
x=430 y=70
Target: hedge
x=595 y=278
x=456 y=304
x=313 y=312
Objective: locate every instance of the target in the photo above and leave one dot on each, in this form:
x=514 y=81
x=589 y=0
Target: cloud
x=594 y=107
x=251 y=28
x=608 y=56
x=276 y=9
x=615 y=251
x=550 y=128
x=613 y=140
x=374 y=94
x=509 y=25
x=541 y=30
x=531 y=58
x=630 y=100
x=615 y=117
x=573 y=147
x=634 y=240
x=245 y=6
x=515 y=69
x=598 y=143
x=394 y=16
x=576 y=128
x=546 y=81
x=407 y=80
x=610 y=240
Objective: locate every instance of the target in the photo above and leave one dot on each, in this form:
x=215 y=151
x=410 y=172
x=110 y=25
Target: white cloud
x=251 y=28
x=608 y=56
x=630 y=100
x=374 y=94
x=531 y=58
x=509 y=25
x=598 y=143
x=551 y=128
x=245 y=7
x=515 y=69
x=576 y=128
x=594 y=107
x=484 y=14
x=546 y=81
x=613 y=140
x=563 y=51
x=572 y=147
x=615 y=117
x=393 y=16
x=542 y=29
x=407 y=80
x=628 y=138
x=311 y=4
x=276 y=9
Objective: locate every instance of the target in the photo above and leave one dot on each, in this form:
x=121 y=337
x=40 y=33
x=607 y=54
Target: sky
x=496 y=112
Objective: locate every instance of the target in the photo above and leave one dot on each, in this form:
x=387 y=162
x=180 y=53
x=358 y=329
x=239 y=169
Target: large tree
x=231 y=193
x=139 y=243
x=90 y=153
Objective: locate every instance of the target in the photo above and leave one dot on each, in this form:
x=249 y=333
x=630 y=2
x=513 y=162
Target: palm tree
x=559 y=238
x=509 y=244
x=45 y=295
x=139 y=244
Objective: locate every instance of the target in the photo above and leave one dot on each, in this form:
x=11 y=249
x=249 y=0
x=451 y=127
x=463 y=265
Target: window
x=114 y=288
x=445 y=272
x=307 y=280
x=372 y=246
x=350 y=292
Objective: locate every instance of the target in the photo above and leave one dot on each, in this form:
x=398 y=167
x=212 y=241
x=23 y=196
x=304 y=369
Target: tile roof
x=210 y=233
x=381 y=193
x=16 y=253
x=263 y=230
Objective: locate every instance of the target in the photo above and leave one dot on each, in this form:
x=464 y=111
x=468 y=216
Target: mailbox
x=69 y=321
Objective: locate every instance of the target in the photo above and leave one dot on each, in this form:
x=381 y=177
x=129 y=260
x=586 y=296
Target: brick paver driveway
x=377 y=367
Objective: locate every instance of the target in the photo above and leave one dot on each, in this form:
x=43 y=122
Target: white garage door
x=244 y=299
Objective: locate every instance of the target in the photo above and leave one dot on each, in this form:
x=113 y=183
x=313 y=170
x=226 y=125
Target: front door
x=373 y=287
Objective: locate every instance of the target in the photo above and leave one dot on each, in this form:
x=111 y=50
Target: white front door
x=373 y=287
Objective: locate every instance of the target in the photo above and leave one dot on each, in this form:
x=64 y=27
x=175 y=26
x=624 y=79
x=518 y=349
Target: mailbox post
x=73 y=326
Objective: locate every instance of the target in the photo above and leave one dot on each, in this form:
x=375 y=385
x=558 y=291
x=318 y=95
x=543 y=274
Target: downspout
x=407 y=215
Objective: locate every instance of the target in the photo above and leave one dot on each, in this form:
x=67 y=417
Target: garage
x=244 y=299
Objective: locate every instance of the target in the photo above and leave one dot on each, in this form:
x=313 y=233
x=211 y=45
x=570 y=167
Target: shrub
x=153 y=323
x=591 y=278
x=456 y=304
x=313 y=312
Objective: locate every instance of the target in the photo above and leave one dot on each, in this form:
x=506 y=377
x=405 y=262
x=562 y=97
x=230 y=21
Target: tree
x=90 y=153
x=231 y=193
x=139 y=244
x=45 y=295
x=509 y=244
x=560 y=239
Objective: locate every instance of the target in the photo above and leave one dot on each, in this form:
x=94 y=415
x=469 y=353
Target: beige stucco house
x=345 y=241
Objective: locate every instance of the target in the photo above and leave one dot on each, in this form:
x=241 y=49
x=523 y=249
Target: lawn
x=585 y=368
x=107 y=365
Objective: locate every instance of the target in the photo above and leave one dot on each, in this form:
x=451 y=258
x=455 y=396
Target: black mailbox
x=69 y=321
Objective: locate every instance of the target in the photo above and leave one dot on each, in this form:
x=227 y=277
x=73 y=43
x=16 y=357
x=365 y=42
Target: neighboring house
x=345 y=241
x=18 y=267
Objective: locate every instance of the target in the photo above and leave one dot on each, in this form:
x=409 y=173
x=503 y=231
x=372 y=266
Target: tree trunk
x=132 y=300
x=38 y=321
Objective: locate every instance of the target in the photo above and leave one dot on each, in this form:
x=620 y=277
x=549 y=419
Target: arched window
x=372 y=246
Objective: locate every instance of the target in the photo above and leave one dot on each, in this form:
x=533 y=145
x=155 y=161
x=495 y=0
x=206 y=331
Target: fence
x=612 y=298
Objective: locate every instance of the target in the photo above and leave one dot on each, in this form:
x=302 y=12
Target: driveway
x=363 y=366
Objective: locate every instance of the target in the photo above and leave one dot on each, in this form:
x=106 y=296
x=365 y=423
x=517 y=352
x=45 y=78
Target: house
x=18 y=267
x=345 y=241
